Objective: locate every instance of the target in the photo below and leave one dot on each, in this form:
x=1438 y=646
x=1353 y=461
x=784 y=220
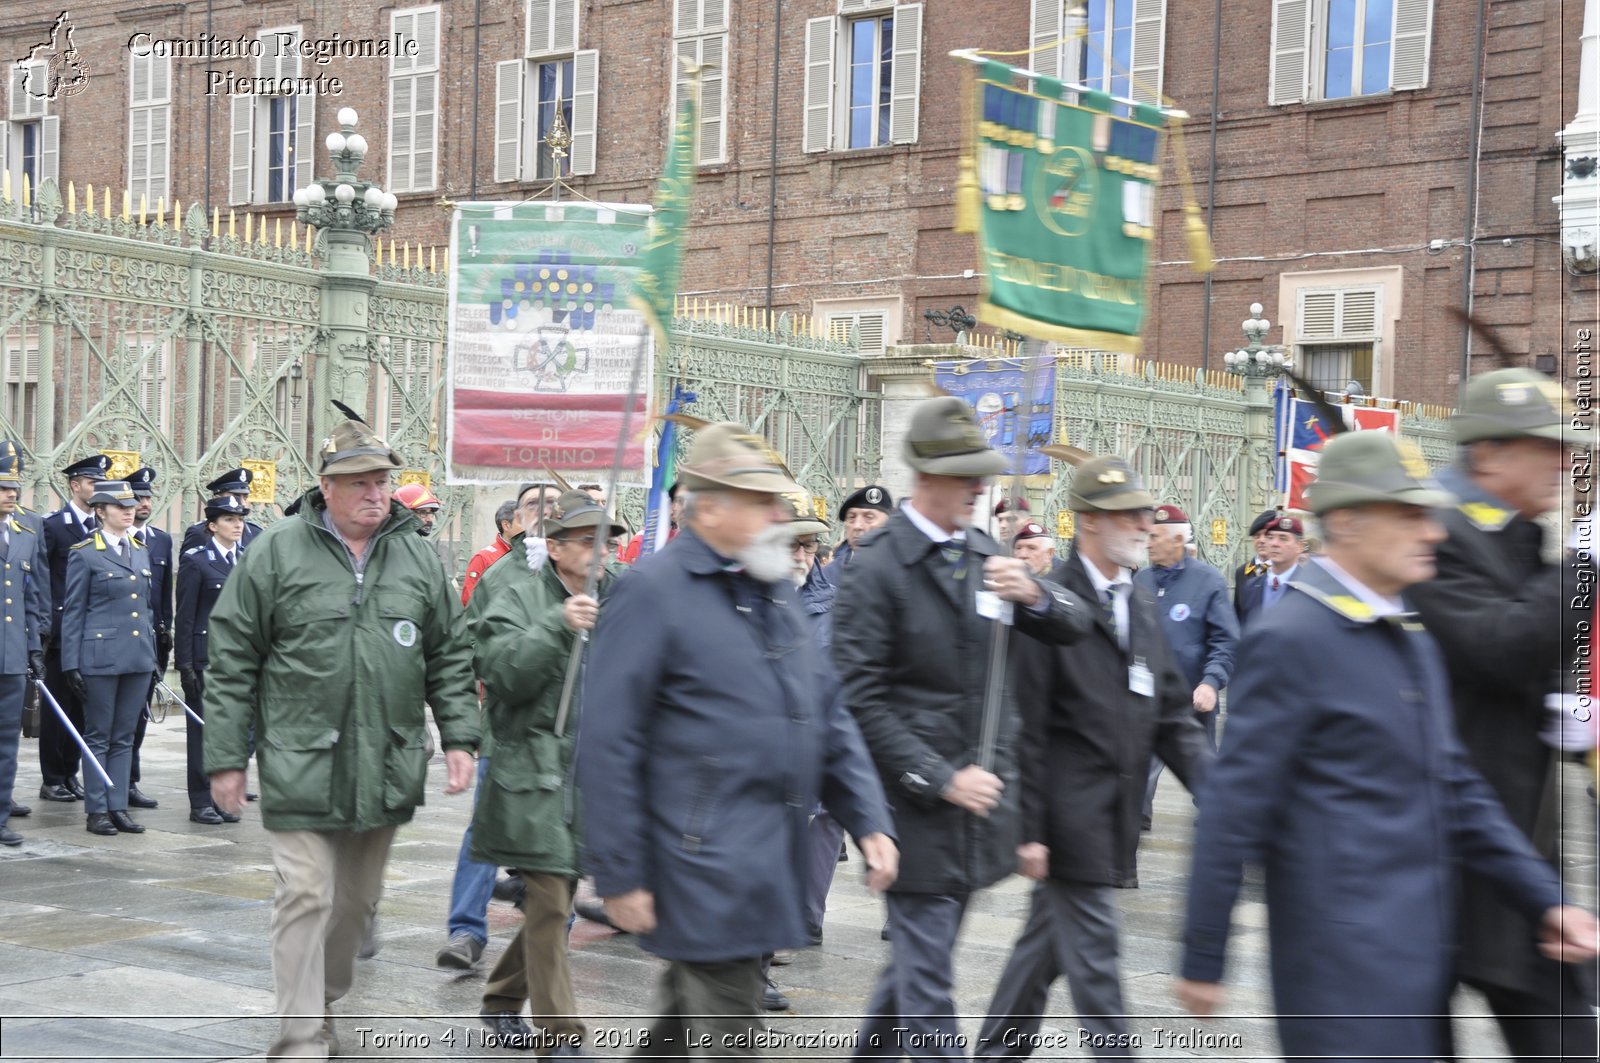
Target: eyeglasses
x=587 y=540
x=810 y=548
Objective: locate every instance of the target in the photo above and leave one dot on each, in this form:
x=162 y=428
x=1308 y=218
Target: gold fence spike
x=72 y=197
x=161 y=211
x=143 y=199
x=249 y=223
x=277 y=232
x=231 y=217
x=216 y=222
x=26 y=198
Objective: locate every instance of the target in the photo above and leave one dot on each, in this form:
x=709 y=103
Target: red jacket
x=480 y=564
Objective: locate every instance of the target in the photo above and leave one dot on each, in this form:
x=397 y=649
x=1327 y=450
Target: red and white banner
x=1308 y=432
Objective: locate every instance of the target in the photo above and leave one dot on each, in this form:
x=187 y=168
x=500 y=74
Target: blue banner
x=993 y=388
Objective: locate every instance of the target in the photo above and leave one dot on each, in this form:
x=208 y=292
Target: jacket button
x=135 y=595
x=133 y=577
x=8 y=582
x=135 y=616
x=98 y=635
x=135 y=634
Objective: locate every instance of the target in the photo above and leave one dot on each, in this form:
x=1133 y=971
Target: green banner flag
x=1067 y=197
x=662 y=258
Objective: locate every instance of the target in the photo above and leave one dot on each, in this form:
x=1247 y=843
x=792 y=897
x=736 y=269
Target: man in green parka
x=333 y=632
x=527 y=815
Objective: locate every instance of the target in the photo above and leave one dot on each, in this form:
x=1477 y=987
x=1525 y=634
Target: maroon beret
x=1171 y=515
x=1007 y=505
x=1291 y=525
x=1031 y=530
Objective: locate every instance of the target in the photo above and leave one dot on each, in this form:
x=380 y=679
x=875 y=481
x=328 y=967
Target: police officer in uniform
x=64 y=529
x=22 y=619
x=108 y=648
x=159 y=543
x=200 y=578
x=233 y=482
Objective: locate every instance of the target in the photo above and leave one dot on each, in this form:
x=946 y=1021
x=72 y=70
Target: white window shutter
x=1318 y=316
x=241 y=143
x=1045 y=26
x=713 y=15
x=278 y=58
x=1149 y=44
x=508 y=120
x=402 y=27
x=25 y=104
x=1358 y=313
x=138 y=151
x=564 y=26
x=5 y=149
x=428 y=39
x=817 y=132
x=585 y=110
x=714 y=99
x=424 y=131
x=906 y=79
x=1413 y=32
x=305 y=139
x=538 y=16
x=49 y=149
x=160 y=153
x=139 y=79
x=160 y=79
x=1288 y=65
x=402 y=117
x=685 y=17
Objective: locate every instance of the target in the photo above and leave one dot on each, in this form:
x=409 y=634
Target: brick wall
x=1347 y=184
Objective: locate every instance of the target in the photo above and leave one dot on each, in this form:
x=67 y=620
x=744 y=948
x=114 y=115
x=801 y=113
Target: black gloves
x=35 y=664
x=190 y=680
x=76 y=684
x=163 y=642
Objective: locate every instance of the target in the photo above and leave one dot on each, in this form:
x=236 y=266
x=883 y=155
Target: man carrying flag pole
x=660 y=516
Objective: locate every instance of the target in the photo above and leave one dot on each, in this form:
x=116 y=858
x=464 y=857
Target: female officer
x=108 y=647
x=200 y=577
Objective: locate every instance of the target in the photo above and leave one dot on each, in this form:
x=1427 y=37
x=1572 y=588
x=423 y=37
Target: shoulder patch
x=80 y=545
x=194 y=550
x=1485 y=516
x=1346 y=605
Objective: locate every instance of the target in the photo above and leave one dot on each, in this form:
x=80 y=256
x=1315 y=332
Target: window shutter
x=1045 y=28
x=906 y=78
x=537 y=14
x=585 y=108
x=5 y=149
x=305 y=139
x=564 y=28
x=402 y=27
x=428 y=39
x=817 y=134
x=139 y=79
x=1413 y=31
x=685 y=17
x=160 y=154
x=138 y=152
x=508 y=120
x=853 y=7
x=1318 y=316
x=713 y=15
x=241 y=142
x=49 y=149
x=278 y=58
x=1358 y=313
x=402 y=117
x=160 y=79
x=1149 y=44
x=867 y=326
x=1287 y=66
x=25 y=104
x=712 y=53
x=424 y=130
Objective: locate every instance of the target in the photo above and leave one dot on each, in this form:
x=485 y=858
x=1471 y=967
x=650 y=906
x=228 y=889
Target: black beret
x=869 y=497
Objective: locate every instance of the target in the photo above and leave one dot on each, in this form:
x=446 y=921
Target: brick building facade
x=1357 y=177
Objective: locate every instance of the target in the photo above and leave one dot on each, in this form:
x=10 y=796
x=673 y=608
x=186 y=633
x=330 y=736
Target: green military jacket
x=527 y=814
x=335 y=671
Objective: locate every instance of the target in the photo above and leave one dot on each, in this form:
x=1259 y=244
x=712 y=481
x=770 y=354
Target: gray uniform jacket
x=108 y=614
x=25 y=611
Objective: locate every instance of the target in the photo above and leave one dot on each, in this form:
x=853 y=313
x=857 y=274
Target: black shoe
x=20 y=811
x=1144 y=823
x=227 y=817
x=55 y=792
x=595 y=912
x=248 y=796
x=138 y=799
x=883 y=935
x=124 y=824
x=511 y=889
x=771 y=999
x=844 y=853
x=9 y=837
x=76 y=787
x=509 y=1028
x=100 y=823
x=207 y=815
x=815 y=932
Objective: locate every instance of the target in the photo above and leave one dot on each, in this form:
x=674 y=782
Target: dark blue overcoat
x=710 y=729
x=1341 y=773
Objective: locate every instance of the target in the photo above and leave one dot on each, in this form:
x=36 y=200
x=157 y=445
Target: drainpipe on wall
x=1475 y=114
x=1211 y=179
x=1579 y=201
x=772 y=183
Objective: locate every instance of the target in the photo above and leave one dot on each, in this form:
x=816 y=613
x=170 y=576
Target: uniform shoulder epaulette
x=194 y=550
x=17 y=525
x=80 y=545
x=1485 y=516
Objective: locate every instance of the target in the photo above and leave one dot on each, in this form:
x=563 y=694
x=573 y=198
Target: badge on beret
x=1179 y=612
x=874 y=496
x=1113 y=476
x=405 y=633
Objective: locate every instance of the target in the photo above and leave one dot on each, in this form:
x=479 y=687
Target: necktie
x=1274 y=584
x=228 y=557
x=1108 y=601
x=121 y=549
x=955 y=555
x=88 y=525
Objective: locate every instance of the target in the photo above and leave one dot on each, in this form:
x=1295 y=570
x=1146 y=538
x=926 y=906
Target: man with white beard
x=1093 y=712
x=914 y=628
x=708 y=737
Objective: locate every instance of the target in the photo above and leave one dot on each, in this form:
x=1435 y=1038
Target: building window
x=873 y=324
x=414 y=101
x=272 y=137
x=1337 y=336
x=149 y=128
x=700 y=39
x=1337 y=49
x=22 y=387
x=863 y=76
x=1119 y=53
x=555 y=76
x=30 y=141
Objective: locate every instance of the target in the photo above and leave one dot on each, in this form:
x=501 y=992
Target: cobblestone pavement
x=156 y=946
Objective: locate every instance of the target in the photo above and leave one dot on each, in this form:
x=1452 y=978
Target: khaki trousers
x=327 y=887
x=533 y=967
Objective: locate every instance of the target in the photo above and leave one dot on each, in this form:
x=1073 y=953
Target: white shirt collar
x=1380 y=605
x=84 y=516
x=223 y=550
x=112 y=541
x=1096 y=577
x=1283 y=577
x=928 y=527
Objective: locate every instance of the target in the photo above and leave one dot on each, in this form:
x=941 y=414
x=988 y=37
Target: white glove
x=538 y=553
x=1568 y=723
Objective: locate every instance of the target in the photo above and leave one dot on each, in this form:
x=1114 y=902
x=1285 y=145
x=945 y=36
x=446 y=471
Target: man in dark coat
x=1094 y=712
x=159 y=545
x=1341 y=773
x=66 y=527
x=1509 y=624
x=706 y=744
x=1245 y=573
x=912 y=640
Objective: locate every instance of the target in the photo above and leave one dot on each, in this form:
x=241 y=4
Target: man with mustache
x=1509 y=623
x=1093 y=714
x=914 y=626
x=1349 y=786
